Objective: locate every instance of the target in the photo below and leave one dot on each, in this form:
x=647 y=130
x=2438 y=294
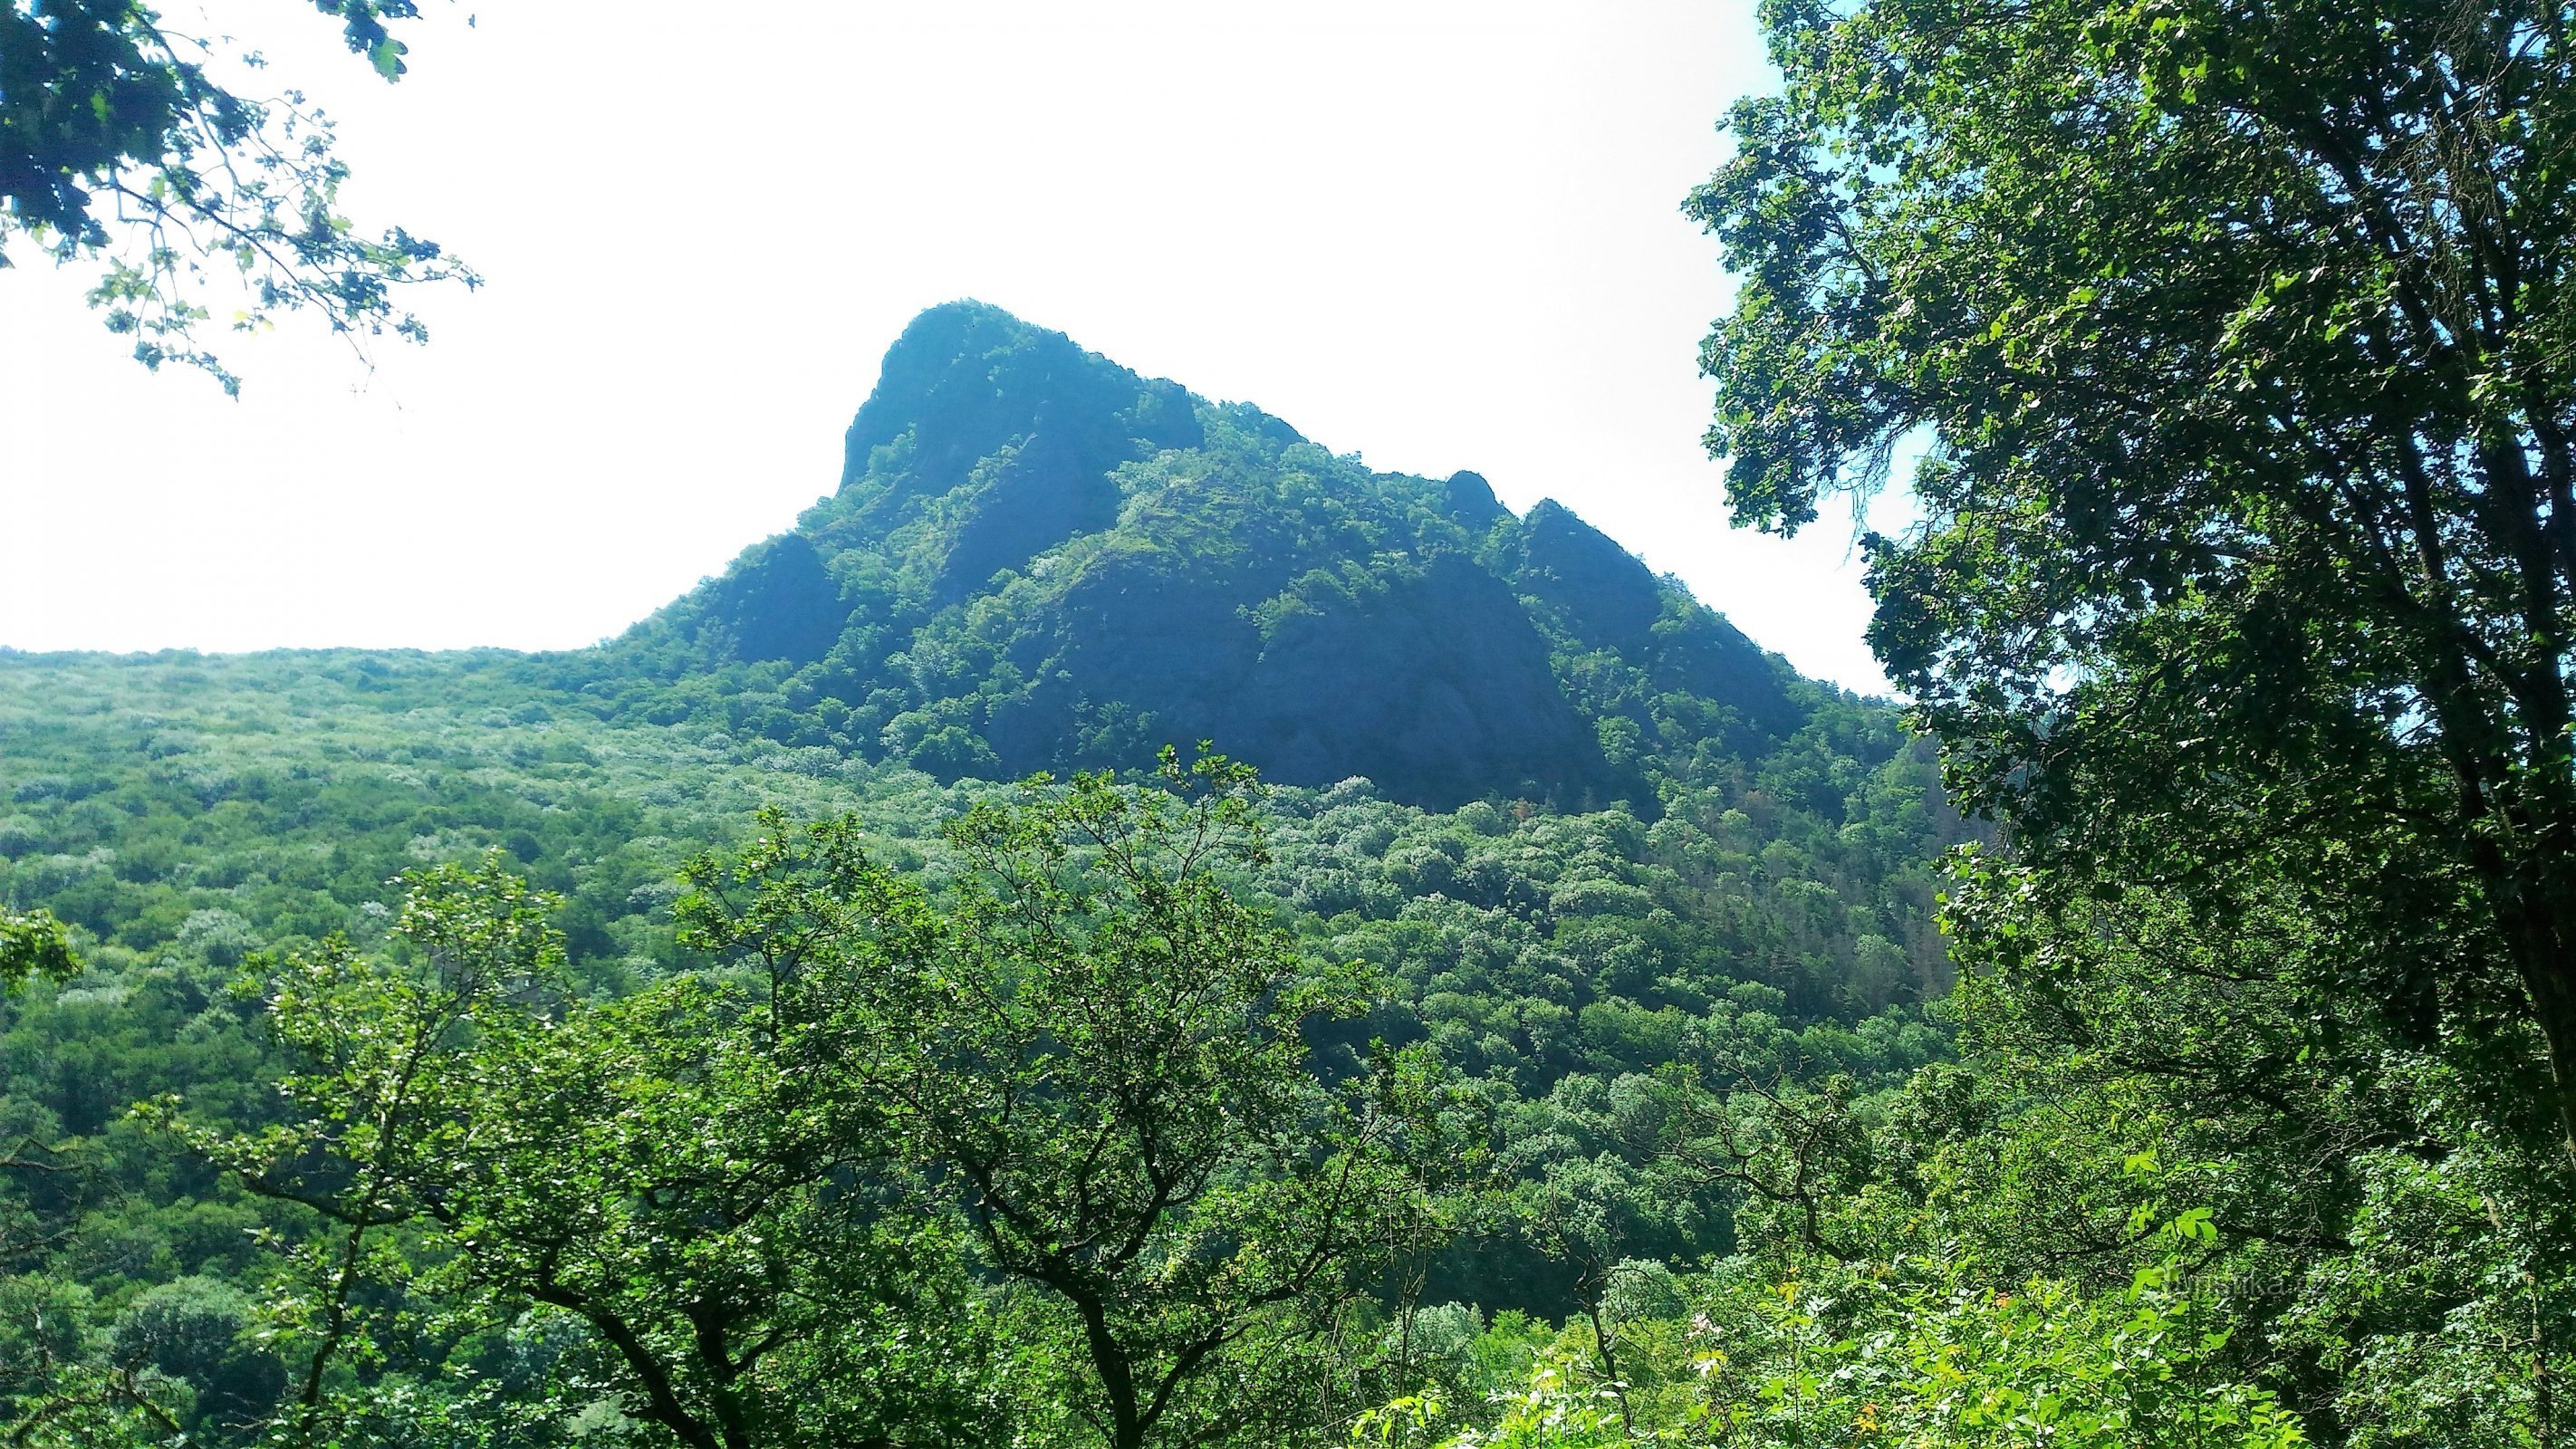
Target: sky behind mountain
x=1442 y=235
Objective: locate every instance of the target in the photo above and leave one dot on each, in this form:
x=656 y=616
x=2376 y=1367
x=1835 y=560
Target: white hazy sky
x=1441 y=235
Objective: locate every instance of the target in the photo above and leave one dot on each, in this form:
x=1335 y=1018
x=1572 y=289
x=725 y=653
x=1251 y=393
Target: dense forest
x=1125 y=927
x=1618 y=846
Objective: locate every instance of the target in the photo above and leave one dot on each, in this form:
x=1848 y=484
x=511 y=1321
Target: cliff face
x=1037 y=559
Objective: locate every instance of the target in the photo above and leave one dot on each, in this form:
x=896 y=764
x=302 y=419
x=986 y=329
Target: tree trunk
x=2549 y=977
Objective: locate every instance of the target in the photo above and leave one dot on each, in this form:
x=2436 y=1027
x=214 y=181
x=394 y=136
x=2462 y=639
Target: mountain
x=1035 y=558
x=1038 y=559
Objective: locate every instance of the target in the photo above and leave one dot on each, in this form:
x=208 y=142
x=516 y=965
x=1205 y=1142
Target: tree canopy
x=2238 y=336
x=204 y=827
x=119 y=145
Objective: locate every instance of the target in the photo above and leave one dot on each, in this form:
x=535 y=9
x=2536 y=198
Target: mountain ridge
x=1039 y=559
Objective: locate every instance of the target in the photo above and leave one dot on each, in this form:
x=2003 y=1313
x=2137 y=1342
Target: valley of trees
x=1438 y=1047
x=820 y=1017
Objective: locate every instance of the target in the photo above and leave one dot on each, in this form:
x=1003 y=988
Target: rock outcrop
x=1038 y=559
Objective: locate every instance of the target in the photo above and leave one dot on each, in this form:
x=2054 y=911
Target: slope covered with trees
x=691 y=1041
x=300 y=1147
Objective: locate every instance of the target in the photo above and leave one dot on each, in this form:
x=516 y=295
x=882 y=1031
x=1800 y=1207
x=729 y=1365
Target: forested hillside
x=853 y=1008
x=1554 y=830
x=1591 y=1033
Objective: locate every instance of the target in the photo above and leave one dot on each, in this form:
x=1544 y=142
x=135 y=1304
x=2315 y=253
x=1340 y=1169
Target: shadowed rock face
x=1429 y=680
x=1607 y=598
x=1436 y=679
x=1038 y=559
x=777 y=602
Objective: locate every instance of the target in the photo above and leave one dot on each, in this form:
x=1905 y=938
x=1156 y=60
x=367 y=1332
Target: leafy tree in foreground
x=1093 y=1052
x=485 y=1154
x=1037 y=1157
x=116 y=145
x=2241 y=336
x=1921 y=1352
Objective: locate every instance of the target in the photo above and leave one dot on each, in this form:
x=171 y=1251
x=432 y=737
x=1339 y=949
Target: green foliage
x=179 y=813
x=1095 y=1049
x=201 y=1332
x=480 y=1152
x=2380 y=1239
x=1143 y=1113
x=1913 y=1353
x=2229 y=339
x=1041 y=1150
x=2245 y=561
x=33 y=944
x=1928 y=1354
x=117 y=145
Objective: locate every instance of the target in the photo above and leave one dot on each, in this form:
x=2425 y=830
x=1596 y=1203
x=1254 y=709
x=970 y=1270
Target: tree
x=199 y=1331
x=33 y=943
x=478 y=1147
x=118 y=146
x=2240 y=340
x=1093 y=1053
x=774 y=1197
